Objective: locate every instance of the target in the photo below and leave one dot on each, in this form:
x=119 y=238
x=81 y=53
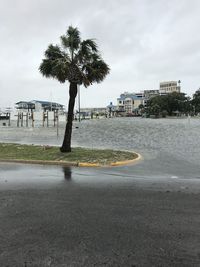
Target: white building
x=38 y=106
x=169 y=87
x=129 y=102
x=150 y=93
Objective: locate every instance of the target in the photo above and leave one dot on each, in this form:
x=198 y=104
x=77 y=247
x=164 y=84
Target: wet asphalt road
x=55 y=216
x=146 y=214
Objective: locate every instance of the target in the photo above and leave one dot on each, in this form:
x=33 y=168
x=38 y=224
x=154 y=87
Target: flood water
x=144 y=214
x=169 y=147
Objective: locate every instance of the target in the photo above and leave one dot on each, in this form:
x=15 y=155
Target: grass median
x=52 y=154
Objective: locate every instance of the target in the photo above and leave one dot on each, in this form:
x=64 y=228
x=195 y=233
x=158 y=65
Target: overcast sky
x=143 y=41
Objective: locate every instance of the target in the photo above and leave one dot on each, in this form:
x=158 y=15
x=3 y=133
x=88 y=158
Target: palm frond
x=86 y=50
x=55 y=63
x=72 y=39
x=89 y=44
x=76 y=61
x=60 y=70
x=95 y=69
x=53 y=52
x=45 y=68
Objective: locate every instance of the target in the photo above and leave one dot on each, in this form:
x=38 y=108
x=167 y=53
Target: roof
x=111 y=106
x=40 y=102
x=46 y=102
x=23 y=102
x=130 y=95
x=166 y=82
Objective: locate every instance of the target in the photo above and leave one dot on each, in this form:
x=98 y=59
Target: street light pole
x=79 y=103
x=179 y=83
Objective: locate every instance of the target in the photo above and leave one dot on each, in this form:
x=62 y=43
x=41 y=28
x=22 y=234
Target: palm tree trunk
x=66 y=146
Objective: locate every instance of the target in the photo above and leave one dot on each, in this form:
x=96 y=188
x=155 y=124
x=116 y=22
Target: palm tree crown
x=75 y=60
x=78 y=62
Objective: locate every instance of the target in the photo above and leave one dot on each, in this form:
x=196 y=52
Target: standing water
x=167 y=145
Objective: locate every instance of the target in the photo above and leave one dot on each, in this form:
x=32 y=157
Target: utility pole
x=51 y=99
x=79 y=103
x=179 y=84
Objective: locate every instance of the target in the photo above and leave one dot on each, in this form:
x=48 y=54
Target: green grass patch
x=51 y=153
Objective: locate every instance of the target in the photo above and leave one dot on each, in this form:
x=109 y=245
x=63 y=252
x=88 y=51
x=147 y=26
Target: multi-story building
x=169 y=87
x=129 y=102
x=150 y=93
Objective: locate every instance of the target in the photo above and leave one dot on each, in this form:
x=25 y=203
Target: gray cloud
x=143 y=41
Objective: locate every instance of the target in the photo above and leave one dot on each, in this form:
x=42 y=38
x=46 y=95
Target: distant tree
x=75 y=61
x=196 y=102
x=188 y=107
x=154 y=103
x=155 y=110
x=169 y=103
x=141 y=109
x=141 y=106
x=175 y=102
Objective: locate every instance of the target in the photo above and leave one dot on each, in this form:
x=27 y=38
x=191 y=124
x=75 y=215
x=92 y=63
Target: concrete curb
x=112 y=164
x=88 y=164
x=42 y=162
x=127 y=162
x=74 y=164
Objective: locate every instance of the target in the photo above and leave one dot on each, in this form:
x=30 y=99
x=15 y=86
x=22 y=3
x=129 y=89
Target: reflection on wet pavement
x=19 y=176
x=67 y=173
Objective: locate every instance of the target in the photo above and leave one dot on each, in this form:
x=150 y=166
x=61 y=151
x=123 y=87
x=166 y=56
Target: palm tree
x=78 y=62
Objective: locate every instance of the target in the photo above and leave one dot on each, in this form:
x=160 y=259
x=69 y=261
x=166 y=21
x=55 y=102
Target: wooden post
x=8 y=119
x=43 y=119
x=47 y=119
x=54 y=118
x=22 y=117
x=26 y=119
x=18 y=119
x=32 y=117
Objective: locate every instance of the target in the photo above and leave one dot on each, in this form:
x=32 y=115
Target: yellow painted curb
x=74 y=164
x=126 y=162
x=112 y=164
x=87 y=164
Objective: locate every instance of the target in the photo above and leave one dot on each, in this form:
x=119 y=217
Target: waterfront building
x=130 y=102
x=38 y=106
x=150 y=93
x=24 y=106
x=93 y=110
x=90 y=112
x=169 y=87
x=111 y=109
